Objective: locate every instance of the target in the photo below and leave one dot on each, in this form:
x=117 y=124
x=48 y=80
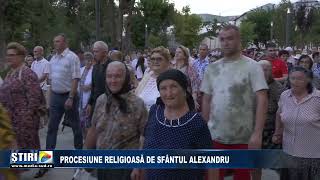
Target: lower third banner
x=149 y=159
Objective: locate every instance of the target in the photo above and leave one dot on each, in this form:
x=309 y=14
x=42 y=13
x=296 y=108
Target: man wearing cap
x=291 y=58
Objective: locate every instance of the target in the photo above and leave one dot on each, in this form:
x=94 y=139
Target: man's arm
x=44 y=77
x=206 y=106
x=74 y=88
x=261 y=115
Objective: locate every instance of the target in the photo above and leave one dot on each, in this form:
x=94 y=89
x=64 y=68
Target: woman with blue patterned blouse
x=173 y=123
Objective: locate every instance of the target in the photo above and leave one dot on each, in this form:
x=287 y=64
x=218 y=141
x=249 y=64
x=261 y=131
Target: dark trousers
x=57 y=110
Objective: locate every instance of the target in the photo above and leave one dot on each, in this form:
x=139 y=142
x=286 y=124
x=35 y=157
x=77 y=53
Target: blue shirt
x=200 y=65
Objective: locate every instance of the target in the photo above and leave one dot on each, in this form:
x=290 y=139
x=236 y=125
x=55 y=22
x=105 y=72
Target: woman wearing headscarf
x=173 y=123
x=21 y=96
x=147 y=88
x=118 y=120
x=298 y=127
x=183 y=64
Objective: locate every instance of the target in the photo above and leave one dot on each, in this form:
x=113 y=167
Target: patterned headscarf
x=126 y=87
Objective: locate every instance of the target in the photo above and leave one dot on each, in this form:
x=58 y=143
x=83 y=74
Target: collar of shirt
x=64 y=53
x=315 y=93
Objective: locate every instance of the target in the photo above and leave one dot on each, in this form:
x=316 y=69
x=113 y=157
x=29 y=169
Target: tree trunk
x=127 y=45
x=111 y=23
x=3 y=5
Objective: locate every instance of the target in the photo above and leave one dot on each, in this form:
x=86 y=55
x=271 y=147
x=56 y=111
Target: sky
x=221 y=7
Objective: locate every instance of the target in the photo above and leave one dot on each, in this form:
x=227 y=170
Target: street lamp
x=288 y=27
x=271 y=31
x=146 y=36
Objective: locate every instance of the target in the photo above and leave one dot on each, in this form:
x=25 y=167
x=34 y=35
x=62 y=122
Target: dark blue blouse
x=188 y=132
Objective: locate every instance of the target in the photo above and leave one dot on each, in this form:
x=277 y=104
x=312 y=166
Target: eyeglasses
x=156 y=60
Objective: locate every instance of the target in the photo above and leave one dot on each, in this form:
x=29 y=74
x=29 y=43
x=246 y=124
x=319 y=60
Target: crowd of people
x=163 y=100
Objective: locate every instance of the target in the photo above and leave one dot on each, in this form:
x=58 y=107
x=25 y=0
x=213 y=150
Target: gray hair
x=101 y=45
x=203 y=45
x=88 y=54
x=39 y=47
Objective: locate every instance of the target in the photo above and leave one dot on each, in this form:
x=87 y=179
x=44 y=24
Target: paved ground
x=65 y=141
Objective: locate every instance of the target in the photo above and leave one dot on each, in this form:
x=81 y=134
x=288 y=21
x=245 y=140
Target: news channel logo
x=45 y=157
x=31 y=157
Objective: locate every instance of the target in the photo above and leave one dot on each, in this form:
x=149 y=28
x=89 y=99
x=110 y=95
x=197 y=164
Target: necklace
x=172 y=123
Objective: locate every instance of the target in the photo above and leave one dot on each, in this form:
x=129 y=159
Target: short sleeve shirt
x=279 y=68
x=301 y=124
x=41 y=67
x=64 y=68
x=232 y=85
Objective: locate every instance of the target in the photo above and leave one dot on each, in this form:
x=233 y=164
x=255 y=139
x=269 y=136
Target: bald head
x=38 y=52
x=115 y=76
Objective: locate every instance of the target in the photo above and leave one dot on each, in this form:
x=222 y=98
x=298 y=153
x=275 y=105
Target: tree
x=157 y=16
x=261 y=18
x=187 y=27
x=247 y=33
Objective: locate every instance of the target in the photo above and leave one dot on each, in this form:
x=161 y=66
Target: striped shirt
x=64 y=68
x=301 y=124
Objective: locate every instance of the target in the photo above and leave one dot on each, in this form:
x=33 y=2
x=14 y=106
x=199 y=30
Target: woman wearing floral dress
x=20 y=95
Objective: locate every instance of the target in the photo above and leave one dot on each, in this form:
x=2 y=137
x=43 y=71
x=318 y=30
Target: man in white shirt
x=40 y=66
x=63 y=79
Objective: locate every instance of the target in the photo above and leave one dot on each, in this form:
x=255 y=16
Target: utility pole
x=98 y=19
x=288 y=26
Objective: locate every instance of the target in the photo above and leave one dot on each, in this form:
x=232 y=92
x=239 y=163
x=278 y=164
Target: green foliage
x=186 y=29
x=158 y=15
x=261 y=18
x=247 y=31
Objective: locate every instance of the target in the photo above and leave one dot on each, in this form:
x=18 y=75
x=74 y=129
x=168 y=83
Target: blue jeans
x=57 y=110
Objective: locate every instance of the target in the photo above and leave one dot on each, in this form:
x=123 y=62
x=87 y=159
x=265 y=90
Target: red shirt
x=279 y=68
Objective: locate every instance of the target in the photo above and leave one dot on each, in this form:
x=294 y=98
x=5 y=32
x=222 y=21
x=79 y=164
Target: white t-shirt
x=150 y=93
x=41 y=67
x=87 y=81
x=138 y=71
x=233 y=85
